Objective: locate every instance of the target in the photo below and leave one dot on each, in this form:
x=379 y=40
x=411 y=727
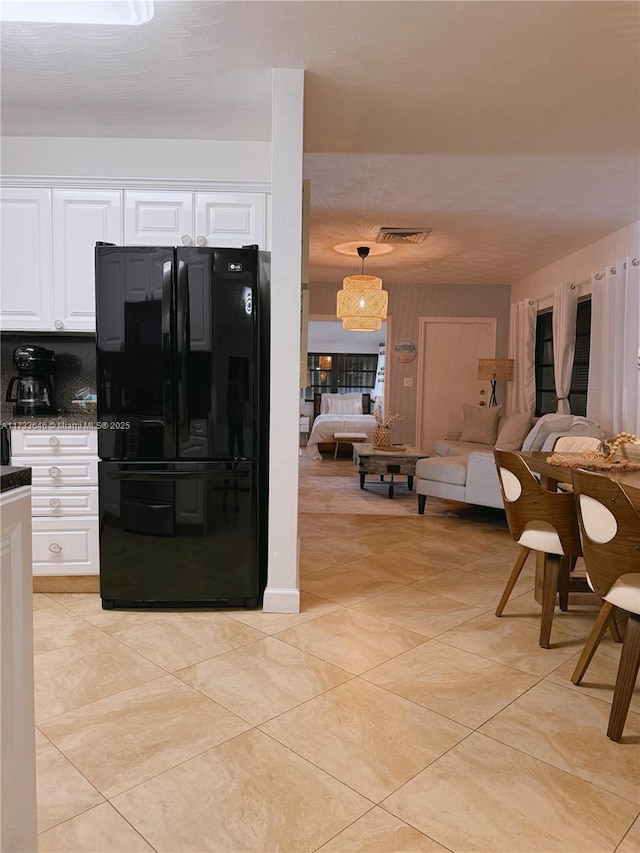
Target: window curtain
x=613 y=398
x=521 y=396
x=565 y=309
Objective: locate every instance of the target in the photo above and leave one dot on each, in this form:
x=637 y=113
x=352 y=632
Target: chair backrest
x=576 y=444
x=526 y=503
x=610 y=527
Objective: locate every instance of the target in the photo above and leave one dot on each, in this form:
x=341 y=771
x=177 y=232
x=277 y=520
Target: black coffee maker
x=33 y=394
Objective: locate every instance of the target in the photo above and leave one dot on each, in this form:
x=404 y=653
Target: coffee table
x=370 y=460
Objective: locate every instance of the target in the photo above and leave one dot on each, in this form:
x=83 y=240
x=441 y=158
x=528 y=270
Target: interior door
x=450 y=348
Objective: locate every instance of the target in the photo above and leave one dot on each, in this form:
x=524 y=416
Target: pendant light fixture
x=362 y=303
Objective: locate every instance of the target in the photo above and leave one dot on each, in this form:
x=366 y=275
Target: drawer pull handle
x=55 y=502
x=54 y=441
x=59 y=324
x=55 y=548
x=54 y=471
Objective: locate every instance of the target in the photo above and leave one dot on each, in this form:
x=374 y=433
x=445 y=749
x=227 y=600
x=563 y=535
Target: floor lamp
x=495 y=370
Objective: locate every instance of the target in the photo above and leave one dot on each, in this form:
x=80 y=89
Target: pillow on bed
x=341 y=404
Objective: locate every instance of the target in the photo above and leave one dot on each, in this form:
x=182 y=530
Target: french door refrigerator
x=182 y=408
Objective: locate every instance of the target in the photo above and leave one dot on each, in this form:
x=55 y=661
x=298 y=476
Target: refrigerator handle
x=167 y=400
x=183 y=338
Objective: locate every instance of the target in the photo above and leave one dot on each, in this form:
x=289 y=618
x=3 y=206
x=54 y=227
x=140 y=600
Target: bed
x=338 y=413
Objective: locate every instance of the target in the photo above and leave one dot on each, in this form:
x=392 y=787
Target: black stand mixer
x=33 y=394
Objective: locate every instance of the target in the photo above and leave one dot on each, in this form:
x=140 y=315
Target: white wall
x=328 y=335
x=579 y=266
x=190 y=159
x=282 y=594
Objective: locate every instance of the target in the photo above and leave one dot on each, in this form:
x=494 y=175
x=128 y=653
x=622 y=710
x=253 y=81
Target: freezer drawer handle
x=178 y=475
x=54 y=471
x=55 y=548
x=54 y=441
x=55 y=502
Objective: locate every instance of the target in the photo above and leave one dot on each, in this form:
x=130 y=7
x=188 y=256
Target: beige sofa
x=465 y=470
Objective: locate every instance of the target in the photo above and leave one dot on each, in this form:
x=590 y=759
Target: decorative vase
x=381 y=437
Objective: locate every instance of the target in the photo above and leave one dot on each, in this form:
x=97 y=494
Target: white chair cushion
x=576 y=444
x=599 y=522
x=625 y=593
x=541 y=536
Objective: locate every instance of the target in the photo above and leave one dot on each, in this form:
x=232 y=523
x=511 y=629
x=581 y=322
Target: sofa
x=462 y=468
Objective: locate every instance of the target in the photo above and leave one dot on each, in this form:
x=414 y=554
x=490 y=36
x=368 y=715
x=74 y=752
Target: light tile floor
x=395 y=713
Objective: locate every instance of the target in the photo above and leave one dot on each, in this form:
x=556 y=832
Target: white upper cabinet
x=81 y=218
x=155 y=218
x=48 y=238
x=231 y=219
x=158 y=218
x=26 y=297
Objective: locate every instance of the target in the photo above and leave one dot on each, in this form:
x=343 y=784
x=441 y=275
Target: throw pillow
x=544 y=427
x=513 y=431
x=343 y=405
x=480 y=424
x=326 y=399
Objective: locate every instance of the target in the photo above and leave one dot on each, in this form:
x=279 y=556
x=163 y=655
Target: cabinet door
x=65 y=546
x=231 y=220
x=80 y=219
x=157 y=218
x=25 y=269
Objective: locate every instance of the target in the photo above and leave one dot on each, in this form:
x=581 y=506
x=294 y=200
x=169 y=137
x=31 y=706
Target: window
x=546 y=401
x=335 y=372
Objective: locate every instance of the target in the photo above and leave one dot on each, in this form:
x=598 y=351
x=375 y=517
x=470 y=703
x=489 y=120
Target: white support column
x=282 y=594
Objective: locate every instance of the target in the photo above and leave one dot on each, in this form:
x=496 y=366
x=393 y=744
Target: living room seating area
x=462 y=467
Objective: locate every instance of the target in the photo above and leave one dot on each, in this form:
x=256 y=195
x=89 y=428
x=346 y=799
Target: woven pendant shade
x=362 y=303
x=362 y=324
x=361 y=282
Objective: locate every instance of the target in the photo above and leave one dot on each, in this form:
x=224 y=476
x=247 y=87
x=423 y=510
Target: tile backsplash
x=75 y=360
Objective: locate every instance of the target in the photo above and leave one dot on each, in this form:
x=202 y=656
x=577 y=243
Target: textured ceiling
x=509 y=128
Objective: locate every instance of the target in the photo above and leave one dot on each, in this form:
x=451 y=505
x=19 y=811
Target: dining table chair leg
x=626 y=679
x=513 y=577
x=563 y=583
x=597 y=632
x=615 y=630
x=552 y=569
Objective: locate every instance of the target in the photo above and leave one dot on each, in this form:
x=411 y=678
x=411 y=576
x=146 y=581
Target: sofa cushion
x=513 y=431
x=456 y=448
x=443 y=469
x=480 y=423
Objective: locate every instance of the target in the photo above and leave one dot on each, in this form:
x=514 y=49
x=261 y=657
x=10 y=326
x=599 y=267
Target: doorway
x=450 y=349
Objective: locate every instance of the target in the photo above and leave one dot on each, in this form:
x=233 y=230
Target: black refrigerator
x=183 y=425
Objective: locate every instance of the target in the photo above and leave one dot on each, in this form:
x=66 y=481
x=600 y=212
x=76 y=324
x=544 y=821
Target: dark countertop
x=13 y=478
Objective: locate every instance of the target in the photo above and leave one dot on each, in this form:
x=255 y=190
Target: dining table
x=551 y=476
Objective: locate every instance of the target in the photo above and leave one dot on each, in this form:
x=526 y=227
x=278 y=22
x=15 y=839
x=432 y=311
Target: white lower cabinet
x=64 y=499
x=65 y=545
x=18 y=812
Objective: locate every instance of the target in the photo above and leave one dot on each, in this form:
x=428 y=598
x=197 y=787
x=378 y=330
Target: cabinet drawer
x=65 y=546
x=60 y=472
x=64 y=500
x=53 y=443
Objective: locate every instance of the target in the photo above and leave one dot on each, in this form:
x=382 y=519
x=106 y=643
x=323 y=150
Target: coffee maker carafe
x=32 y=389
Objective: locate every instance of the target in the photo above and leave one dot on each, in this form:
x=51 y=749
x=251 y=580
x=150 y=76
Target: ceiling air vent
x=402 y=235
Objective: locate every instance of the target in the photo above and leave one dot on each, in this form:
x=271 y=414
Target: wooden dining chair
x=539 y=520
x=610 y=527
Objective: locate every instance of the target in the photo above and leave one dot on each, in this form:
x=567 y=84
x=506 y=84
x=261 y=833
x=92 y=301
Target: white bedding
x=324 y=427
